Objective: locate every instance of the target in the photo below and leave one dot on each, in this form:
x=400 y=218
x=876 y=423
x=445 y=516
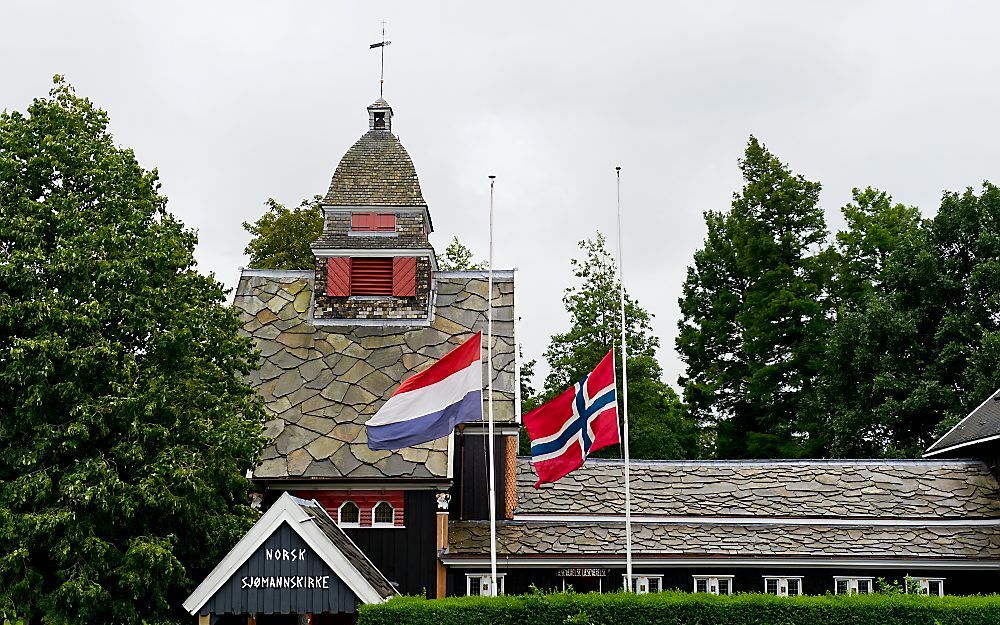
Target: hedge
x=678 y=608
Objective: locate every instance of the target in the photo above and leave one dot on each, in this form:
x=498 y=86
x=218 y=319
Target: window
x=373 y=222
x=371 y=276
x=383 y=514
x=379 y=121
x=479 y=584
x=349 y=514
x=852 y=585
x=714 y=584
x=642 y=584
x=929 y=586
x=783 y=586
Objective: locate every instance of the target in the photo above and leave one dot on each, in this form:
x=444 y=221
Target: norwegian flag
x=582 y=419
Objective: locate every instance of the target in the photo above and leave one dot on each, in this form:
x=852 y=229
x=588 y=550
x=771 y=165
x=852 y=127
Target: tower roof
x=376 y=170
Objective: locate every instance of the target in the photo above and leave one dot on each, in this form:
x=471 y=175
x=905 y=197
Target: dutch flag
x=428 y=405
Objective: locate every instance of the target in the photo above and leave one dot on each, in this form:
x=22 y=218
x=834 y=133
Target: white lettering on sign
x=318 y=581
x=291 y=555
x=582 y=572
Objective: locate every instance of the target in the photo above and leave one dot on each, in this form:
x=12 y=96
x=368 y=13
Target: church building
x=344 y=525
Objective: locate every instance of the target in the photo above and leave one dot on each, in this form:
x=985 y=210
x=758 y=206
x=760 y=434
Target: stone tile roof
x=375 y=171
x=347 y=547
x=983 y=422
x=710 y=539
x=816 y=488
x=321 y=383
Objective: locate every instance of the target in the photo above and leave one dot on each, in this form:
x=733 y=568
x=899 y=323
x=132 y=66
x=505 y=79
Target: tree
x=281 y=238
x=658 y=426
x=753 y=314
x=127 y=426
x=457 y=257
x=923 y=348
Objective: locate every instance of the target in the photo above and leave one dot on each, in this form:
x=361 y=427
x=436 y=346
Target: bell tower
x=374 y=260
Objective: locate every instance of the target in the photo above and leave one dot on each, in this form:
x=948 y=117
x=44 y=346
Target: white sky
x=235 y=102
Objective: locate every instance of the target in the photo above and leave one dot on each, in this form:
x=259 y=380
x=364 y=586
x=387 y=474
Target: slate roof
x=321 y=383
x=942 y=489
x=983 y=422
x=714 y=540
x=878 y=509
x=347 y=547
x=375 y=171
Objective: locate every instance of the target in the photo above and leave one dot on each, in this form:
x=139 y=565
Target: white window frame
x=852 y=584
x=641 y=583
x=782 y=584
x=712 y=583
x=484 y=581
x=925 y=585
x=391 y=523
x=340 y=514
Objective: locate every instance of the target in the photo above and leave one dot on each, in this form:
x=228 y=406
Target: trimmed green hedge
x=677 y=608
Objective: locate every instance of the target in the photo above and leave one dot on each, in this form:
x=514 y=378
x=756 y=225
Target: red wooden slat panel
x=385 y=221
x=371 y=276
x=404 y=276
x=338 y=277
x=362 y=221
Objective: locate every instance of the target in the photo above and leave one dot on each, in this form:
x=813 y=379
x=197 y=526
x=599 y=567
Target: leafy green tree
x=924 y=348
x=658 y=427
x=281 y=238
x=458 y=257
x=127 y=426
x=753 y=314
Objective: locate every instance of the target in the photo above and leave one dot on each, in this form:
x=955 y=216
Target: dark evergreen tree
x=754 y=315
x=658 y=427
x=126 y=424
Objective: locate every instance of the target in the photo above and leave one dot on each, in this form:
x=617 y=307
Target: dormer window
x=383 y=515
x=373 y=222
x=349 y=514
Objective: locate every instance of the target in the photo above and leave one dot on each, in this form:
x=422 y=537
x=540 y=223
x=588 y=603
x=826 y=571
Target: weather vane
x=381 y=45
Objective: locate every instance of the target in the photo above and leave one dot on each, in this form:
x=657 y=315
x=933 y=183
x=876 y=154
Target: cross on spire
x=381 y=46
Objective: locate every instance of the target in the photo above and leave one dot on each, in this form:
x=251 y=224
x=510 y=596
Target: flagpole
x=628 y=488
x=489 y=370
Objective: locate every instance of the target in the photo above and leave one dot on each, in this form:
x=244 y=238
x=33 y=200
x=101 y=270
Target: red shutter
x=362 y=221
x=338 y=276
x=404 y=276
x=385 y=221
x=371 y=276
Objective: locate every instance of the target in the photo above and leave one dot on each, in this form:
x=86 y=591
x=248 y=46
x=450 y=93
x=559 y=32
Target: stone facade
x=951 y=489
x=373 y=307
x=321 y=383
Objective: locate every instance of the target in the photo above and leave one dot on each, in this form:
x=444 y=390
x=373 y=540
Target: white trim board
x=285 y=510
x=758 y=520
x=961 y=445
x=820 y=562
x=957 y=425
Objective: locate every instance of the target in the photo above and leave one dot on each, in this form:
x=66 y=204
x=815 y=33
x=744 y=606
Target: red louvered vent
x=404 y=276
x=338 y=277
x=371 y=276
x=379 y=222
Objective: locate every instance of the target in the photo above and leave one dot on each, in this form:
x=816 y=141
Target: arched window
x=349 y=514
x=383 y=514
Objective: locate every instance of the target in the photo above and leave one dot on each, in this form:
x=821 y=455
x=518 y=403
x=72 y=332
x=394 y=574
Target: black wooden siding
x=407 y=556
x=231 y=598
x=470 y=495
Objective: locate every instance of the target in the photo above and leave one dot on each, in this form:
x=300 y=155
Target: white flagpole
x=628 y=489
x=489 y=386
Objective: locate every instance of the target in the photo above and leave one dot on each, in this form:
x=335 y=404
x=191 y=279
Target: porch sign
x=582 y=573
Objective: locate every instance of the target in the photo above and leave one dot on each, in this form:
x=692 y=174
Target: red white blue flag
x=429 y=405
x=582 y=419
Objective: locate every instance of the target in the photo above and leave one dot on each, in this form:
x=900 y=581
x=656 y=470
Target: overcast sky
x=235 y=102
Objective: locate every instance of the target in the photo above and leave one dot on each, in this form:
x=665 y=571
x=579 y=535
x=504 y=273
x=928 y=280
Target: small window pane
x=723 y=586
x=771 y=586
x=349 y=512
x=384 y=513
x=475 y=586
x=654 y=584
x=864 y=586
x=700 y=585
x=793 y=587
x=842 y=586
